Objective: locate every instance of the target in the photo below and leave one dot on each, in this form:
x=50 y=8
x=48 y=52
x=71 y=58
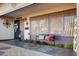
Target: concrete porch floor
x=19 y=48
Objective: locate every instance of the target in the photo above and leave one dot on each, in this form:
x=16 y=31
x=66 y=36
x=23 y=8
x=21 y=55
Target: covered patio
x=38 y=29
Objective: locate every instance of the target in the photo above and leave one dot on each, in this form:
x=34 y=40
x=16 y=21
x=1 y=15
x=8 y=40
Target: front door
x=16 y=28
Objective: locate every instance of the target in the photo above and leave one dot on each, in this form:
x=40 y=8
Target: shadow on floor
x=1 y=53
x=4 y=48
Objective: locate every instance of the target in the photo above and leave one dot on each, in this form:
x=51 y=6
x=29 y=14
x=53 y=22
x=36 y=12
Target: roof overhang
x=36 y=9
x=9 y=7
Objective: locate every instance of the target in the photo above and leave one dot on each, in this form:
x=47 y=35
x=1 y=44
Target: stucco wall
x=6 y=33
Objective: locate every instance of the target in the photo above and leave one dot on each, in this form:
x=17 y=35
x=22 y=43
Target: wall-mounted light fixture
x=26 y=21
x=26 y=28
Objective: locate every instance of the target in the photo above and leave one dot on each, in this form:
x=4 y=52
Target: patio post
x=77 y=29
x=27 y=28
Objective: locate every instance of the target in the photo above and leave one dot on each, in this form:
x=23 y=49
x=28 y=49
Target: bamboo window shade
x=55 y=23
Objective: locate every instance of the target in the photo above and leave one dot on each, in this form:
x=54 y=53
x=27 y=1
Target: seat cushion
x=41 y=37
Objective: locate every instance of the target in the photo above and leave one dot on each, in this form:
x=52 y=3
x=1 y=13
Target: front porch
x=36 y=23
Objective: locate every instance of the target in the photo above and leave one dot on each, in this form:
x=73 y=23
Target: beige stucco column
x=78 y=29
x=26 y=28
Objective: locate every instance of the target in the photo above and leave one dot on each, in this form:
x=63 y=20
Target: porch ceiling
x=9 y=7
x=33 y=8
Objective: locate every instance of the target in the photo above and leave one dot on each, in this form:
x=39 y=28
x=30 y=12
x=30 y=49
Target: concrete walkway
x=18 y=48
